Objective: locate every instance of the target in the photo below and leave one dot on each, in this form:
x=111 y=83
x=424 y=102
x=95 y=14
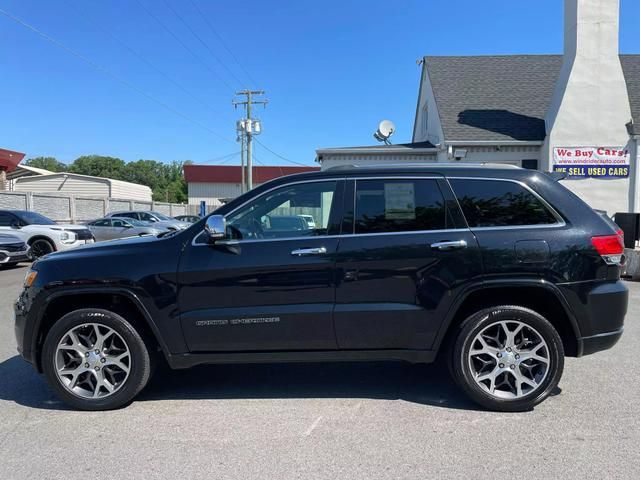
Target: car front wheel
x=95 y=360
x=507 y=358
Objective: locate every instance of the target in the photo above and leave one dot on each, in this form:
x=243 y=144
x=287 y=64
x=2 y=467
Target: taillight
x=610 y=247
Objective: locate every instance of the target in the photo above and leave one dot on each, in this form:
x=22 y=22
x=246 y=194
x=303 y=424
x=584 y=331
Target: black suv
x=500 y=271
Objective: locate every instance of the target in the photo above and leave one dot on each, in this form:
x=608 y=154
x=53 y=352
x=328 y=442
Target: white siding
x=330 y=160
x=129 y=190
x=87 y=186
x=212 y=192
x=432 y=131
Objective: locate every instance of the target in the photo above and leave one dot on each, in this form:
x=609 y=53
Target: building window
x=530 y=164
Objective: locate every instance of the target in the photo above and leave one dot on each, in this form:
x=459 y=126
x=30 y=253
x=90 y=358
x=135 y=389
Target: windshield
x=33 y=218
x=161 y=216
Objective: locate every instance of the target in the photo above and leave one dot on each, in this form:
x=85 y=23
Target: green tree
x=48 y=163
x=99 y=166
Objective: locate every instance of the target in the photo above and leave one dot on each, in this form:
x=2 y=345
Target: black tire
x=140 y=364
x=41 y=247
x=8 y=265
x=459 y=363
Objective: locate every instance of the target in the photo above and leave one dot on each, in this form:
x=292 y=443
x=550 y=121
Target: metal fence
x=64 y=208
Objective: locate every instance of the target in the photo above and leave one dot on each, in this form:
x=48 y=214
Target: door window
x=6 y=220
x=495 y=203
x=399 y=206
x=121 y=223
x=101 y=223
x=298 y=210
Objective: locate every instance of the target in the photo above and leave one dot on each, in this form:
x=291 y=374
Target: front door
x=272 y=286
x=408 y=255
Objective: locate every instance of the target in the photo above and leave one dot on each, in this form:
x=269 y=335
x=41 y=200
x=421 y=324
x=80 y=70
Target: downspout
x=634 y=163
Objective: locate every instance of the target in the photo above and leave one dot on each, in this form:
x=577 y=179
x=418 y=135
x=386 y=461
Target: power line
x=142 y=58
x=184 y=45
x=280 y=156
x=224 y=158
x=222 y=42
x=204 y=44
x=107 y=72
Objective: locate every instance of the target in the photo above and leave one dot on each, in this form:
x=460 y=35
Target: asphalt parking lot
x=359 y=420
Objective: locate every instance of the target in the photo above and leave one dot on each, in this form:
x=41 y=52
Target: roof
x=27 y=171
x=404 y=148
x=120 y=183
x=10 y=159
x=233 y=174
x=504 y=97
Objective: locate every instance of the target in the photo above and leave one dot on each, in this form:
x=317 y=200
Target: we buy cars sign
x=597 y=162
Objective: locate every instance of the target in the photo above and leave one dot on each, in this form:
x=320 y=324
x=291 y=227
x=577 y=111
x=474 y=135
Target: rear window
x=494 y=203
x=399 y=206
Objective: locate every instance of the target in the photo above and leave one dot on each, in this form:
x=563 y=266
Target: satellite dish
x=386 y=128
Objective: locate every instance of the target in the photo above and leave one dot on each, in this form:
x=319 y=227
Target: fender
x=102 y=291
x=534 y=282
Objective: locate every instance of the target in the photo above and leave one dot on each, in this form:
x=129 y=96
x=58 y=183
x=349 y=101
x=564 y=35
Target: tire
x=41 y=247
x=125 y=381
x=8 y=265
x=518 y=385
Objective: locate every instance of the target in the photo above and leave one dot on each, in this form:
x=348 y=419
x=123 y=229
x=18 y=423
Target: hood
x=135 y=244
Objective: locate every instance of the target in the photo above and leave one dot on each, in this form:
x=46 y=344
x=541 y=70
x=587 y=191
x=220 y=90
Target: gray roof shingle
x=504 y=98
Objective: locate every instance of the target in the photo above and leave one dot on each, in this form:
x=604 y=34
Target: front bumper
x=14 y=257
x=60 y=246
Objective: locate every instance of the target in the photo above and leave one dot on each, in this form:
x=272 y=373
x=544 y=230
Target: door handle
x=444 y=246
x=309 y=251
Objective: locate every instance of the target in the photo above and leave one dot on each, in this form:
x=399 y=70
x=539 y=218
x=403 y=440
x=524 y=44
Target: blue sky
x=332 y=70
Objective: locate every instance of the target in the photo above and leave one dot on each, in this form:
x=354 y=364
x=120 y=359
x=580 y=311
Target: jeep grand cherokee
x=500 y=271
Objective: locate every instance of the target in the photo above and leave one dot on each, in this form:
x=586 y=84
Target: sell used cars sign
x=597 y=162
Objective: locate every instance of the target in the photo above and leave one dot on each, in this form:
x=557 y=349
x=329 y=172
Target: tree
x=48 y=163
x=99 y=166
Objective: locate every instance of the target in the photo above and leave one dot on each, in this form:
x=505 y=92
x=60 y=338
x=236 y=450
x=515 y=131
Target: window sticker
x=399 y=201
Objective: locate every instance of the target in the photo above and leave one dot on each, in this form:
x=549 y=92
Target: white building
x=578 y=112
x=82 y=185
x=215 y=183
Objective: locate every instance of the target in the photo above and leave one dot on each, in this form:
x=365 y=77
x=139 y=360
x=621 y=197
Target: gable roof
x=504 y=97
x=233 y=174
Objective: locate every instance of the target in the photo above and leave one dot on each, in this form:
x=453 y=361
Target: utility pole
x=250 y=126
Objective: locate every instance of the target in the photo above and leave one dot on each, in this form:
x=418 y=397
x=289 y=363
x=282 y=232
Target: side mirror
x=15 y=225
x=215 y=227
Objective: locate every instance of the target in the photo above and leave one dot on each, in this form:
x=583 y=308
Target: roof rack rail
x=426 y=165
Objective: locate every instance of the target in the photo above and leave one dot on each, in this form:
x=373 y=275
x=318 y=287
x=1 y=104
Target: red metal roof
x=232 y=173
x=10 y=159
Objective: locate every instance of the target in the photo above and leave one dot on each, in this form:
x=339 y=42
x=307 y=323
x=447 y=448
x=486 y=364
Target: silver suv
x=156 y=218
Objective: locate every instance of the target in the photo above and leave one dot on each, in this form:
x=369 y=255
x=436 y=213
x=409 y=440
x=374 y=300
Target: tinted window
x=101 y=223
x=33 y=218
x=399 y=206
x=127 y=214
x=6 y=220
x=492 y=203
x=281 y=213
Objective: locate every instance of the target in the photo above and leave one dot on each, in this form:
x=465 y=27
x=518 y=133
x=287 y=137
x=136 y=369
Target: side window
x=292 y=211
x=147 y=217
x=101 y=223
x=399 y=206
x=119 y=223
x=493 y=203
x=6 y=220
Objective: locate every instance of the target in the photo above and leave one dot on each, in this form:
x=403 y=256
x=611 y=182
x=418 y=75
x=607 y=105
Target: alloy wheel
x=509 y=359
x=92 y=361
x=40 y=248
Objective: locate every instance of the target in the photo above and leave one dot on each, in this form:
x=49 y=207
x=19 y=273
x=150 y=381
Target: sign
x=399 y=201
x=592 y=162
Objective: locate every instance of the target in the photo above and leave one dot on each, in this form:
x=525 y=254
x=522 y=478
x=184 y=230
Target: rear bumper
x=599 y=342
x=600 y=309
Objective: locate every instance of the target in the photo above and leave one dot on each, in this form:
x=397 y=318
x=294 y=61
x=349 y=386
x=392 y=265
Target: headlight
x=68 y=237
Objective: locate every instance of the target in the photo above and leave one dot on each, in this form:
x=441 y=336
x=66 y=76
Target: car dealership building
x=578 y=113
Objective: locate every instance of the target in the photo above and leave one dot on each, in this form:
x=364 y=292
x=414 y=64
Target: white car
x=42 y=234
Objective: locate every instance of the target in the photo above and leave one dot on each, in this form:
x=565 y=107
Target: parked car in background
x=13 y=250
x=157 y=218
x=284 y=223
x=187 y=218
x=311 y=223
x=112 y=228
x=42 y=234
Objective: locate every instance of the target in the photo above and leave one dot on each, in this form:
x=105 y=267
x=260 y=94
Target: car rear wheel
x=41 y=247
x=507 y=358
x=95 y=360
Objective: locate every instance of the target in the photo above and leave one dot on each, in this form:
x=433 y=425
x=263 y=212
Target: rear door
x=406 y=253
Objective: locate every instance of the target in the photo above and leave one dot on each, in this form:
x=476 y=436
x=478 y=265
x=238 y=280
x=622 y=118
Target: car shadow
x=421 y=384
